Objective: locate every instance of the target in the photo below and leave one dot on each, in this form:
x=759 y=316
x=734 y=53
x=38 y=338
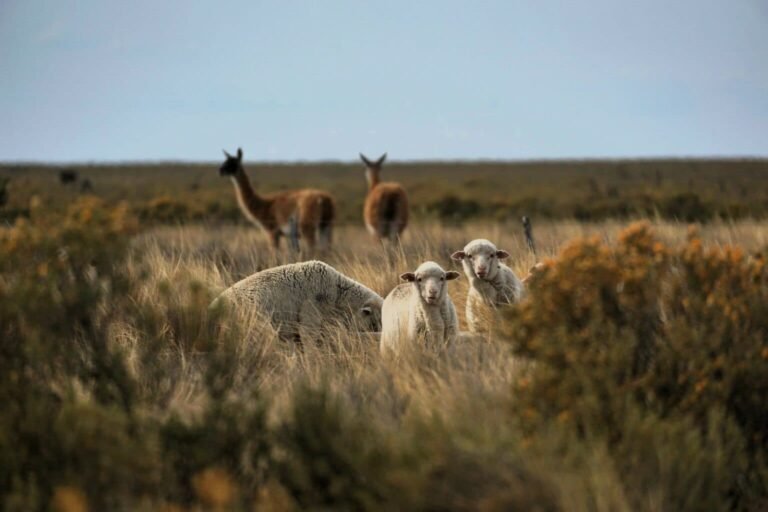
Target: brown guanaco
x=304 y=213
x=386 y=207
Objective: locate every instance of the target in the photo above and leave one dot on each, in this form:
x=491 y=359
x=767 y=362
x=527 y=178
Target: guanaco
x=304 y=213
x=386 y=207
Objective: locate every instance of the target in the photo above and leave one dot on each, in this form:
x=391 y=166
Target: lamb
x=492 y=283
x=300 y=298
x=420 y=310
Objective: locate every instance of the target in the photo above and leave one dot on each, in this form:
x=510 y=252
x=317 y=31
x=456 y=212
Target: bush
x=686 y=207
x=80 y=426
x=678 y=334
x=164 y=210
x=454 y=209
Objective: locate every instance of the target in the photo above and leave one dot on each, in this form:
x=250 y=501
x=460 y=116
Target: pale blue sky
x=97 y=80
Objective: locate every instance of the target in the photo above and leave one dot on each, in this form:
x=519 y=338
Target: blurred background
x=84 y=81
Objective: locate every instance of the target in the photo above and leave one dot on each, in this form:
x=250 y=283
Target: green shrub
x=686 y=207
x=454 y=209
x=332 y=460
x=79 y=423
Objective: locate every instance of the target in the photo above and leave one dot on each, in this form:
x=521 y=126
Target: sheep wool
x=299 y=298
x=420 y=310
x=491 y=282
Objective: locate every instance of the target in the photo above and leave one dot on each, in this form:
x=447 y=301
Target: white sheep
x=491 y=283
x=301 y=298
x=420 y=310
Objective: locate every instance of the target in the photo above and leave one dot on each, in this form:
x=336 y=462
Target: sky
x=288 y=80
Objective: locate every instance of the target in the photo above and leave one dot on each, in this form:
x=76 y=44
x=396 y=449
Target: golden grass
x=448 y=426
x=470 y=378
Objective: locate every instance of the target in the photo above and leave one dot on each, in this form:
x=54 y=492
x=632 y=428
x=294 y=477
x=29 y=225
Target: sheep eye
x=442 y=278
x=419 y=279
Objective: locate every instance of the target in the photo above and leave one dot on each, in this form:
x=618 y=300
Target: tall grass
x=122 y=390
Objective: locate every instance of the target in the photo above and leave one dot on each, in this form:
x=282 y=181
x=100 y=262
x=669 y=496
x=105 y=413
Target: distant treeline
x=682 y=189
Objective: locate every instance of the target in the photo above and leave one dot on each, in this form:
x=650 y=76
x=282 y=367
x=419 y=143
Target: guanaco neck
x=250 y=202
x=372 y=177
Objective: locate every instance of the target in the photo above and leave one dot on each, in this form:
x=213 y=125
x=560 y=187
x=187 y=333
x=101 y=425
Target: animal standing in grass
x=491 y=283
x=386 y=206
x=305 y=213
x=420 y=310
x=300 y=299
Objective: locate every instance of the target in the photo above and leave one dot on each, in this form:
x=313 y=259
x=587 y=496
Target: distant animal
x=4 y=191
x=386 y=206
x=305 y=213
x=300 y=298
x=67 y=177
x=86 y=186
x=419 y=311
x=491 y=283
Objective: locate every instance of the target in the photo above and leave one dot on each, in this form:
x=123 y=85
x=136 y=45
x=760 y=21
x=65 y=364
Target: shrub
x=80 y=425
x=331 y=459
x=164 y=209
x=57 y=283
x=687 y=207
x=454 y=209
x=3 y=191
x=676 y=333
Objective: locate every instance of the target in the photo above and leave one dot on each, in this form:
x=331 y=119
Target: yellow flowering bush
x=674 y=332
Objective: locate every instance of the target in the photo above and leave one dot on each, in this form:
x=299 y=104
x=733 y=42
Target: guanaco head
x=233 y=164
x=373 y=169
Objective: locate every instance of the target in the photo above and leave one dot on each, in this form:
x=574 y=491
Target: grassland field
x=682 y=189
x=194 y=411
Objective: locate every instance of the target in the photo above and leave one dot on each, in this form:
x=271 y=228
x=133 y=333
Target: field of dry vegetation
x=633 y=377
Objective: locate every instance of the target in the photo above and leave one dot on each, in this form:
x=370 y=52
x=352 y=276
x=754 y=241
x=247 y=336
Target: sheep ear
x=367 y=162
x=451 y=275
x=458 y=255
x=408 y=276
x=239 y=154
x=366 y=310
x=502 y=254
x=381 y=160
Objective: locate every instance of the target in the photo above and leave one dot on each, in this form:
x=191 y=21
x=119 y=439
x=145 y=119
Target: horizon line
x=330 y=161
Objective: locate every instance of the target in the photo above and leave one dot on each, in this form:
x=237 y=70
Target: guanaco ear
x=380 y=160
x=226 y=154
x=458 y=255
x=239 y=154
x=367 y=162
x=502 y=254
x=451 y=275
x=408 y=276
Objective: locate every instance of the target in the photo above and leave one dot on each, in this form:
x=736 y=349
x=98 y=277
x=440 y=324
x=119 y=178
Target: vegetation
x=632 y=378
x=676 y=189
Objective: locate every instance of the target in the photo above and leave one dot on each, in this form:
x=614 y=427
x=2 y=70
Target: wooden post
x=529 y=234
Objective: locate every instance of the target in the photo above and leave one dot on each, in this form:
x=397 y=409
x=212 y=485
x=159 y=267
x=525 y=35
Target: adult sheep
x=300 y=299
x=420 y=310
x=491 y=283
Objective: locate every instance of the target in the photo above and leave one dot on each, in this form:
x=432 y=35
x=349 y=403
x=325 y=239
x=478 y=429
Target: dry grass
x=450 y=385
x=342 y=427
